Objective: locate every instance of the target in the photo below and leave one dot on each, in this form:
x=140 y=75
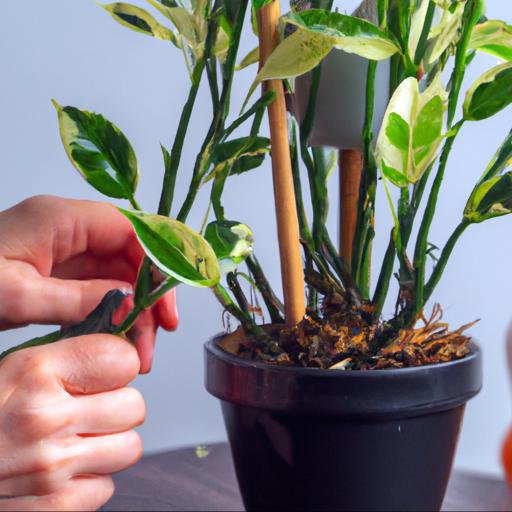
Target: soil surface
x=350 y=340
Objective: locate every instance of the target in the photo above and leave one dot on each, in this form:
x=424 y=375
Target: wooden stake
x=351 y=166
x=284 y=193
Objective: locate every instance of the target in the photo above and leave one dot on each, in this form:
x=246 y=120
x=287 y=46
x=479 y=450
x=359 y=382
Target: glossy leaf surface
x=411 y=131
x=175 y=249
x=353 y=35
x=99 y=151
x=230 y=240
x=494 y=37
x=491 y=93
x=138 y=19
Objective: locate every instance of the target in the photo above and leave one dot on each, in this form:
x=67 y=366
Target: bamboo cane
x=351 y=165
x=284 y=193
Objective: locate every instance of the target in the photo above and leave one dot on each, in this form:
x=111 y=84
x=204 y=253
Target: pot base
x=297 y=462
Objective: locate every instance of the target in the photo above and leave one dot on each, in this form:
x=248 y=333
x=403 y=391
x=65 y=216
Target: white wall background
x=71 y=50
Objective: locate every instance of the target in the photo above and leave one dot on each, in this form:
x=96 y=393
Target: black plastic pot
x=308 y=439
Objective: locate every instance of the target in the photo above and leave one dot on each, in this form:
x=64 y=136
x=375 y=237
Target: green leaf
x=99 y=151
x=411 y=131
x=230 y=240
x=429 y=123
x=175 y=249
x=502 y=52
x=241 y=155
x=445 y=33
x=501 y=160
x=398 y=131
x=494 y=37
x=353 y=35
x=294 y=56
x=192 y=28
x=251 y=58
x=396 y=177
x=139 y=20
x=491 y=93
x=476 y=205
x=492 y=198
x=318 y=32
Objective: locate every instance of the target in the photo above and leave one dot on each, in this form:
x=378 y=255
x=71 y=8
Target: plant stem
x=211 y=70
x=472 y=12
x=35 y=342
x=171 y=170
x=151 y=299
x=274 y=306
x=427 y=24
x=420 y=252
x=360 y=266
x=381 y=290
x=248 y=324
x=237 y=291
x=134 y=204
x=216 y=129
x=443 y=259
x=258 y=106
x=305 y=232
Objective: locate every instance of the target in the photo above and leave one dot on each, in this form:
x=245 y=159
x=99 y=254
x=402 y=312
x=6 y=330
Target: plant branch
x=216 y=129
x=472 y=13
x=274 y=306
x=420 y=252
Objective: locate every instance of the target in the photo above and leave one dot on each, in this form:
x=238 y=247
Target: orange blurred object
x=506 y=456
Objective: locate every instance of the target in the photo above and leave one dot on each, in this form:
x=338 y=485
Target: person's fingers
x=56 y=230
x=108 y=454
x=89 y=266
x=110 y=412
x=93 y=364
x=166 y=311
x=144 y=334
x=83 y=493
x=47 y=300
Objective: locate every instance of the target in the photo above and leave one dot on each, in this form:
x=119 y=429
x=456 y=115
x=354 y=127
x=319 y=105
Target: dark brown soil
x=349 y=340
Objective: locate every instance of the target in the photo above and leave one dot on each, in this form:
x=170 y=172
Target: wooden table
x=180 y=480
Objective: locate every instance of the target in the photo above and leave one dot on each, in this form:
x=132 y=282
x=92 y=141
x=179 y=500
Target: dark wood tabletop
x=190 y=480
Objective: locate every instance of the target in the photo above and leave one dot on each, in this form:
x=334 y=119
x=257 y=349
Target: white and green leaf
x=318 y=32
x=445 y=33
x=353 y=35
x=232 y=242
x=99 y=151
x=140 y=20
x=176 y=250
x=490 y=93
x=493 y=37
x=411 y=131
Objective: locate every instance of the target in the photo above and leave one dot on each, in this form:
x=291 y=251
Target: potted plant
x=328 y=405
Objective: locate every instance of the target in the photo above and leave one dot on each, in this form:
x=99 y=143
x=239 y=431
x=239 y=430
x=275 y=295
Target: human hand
x=66 y=421
x=59 y=257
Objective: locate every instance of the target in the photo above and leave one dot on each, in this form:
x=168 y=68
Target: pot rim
x=404 y=392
